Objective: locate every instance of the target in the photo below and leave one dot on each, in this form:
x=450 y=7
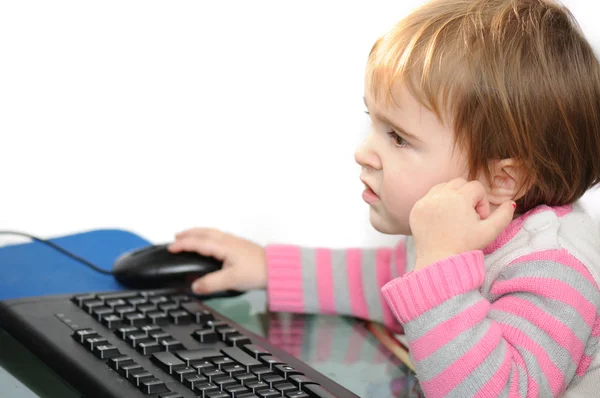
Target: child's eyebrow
x=398 y=129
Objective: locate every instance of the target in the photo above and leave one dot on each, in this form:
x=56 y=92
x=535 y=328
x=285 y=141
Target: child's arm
x=345 y=281
x=540 y=330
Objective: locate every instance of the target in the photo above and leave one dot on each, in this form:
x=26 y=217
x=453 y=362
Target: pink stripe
x=284 y=272
x=496 y=384
x=325 y=281
x=596 y=329
x=557 y=330
x=553 y=374
x=462 y=368
x=515 y=225
x=400 y=260
x=561 y=256
x=514 y=381
x=358 y=303
x=384 y=275
x=550 y=288
x=446 y=331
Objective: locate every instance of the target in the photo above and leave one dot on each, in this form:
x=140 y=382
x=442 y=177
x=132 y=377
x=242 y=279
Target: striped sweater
x=520 y=318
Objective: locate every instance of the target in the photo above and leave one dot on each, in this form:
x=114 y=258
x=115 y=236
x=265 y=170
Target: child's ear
x=506 y=181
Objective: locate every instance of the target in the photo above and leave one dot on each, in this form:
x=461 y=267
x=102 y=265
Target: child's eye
x=398 y=140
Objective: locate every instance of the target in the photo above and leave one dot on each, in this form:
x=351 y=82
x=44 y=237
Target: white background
x=159 y=116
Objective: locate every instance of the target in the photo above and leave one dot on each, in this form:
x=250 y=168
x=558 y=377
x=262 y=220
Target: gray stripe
x=562 y=312
x=451 y=351
x=369 y=284
x=532 y=363
x=482 y=374
x=309 y=280
x=550 y=269
x=557 y=354
x=592 y=346
x=341 y=290
x=522 y=381
x=421 y=325
x=411 y=255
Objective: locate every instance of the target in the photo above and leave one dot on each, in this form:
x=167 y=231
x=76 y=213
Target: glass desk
x=338 y=347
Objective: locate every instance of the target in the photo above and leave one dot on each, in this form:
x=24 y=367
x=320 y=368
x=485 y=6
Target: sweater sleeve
x=538 y=330
x=333 y=281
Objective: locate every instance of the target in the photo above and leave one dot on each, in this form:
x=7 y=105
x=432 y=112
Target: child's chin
x=384 y=225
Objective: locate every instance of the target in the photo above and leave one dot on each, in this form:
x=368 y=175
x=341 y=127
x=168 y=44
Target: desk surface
x=339 y=347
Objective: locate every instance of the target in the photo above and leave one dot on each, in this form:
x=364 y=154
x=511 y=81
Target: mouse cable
x=60 y=249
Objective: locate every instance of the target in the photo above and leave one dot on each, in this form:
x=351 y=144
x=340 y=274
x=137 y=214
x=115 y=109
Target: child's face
x=406 y=153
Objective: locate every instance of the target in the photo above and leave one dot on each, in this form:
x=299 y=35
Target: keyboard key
x=180 y=317
x=169 y=306
x=217 y=394
x=148 y=329
x=122 y=360
x=115 y=303
x=180 y=298
x=199 y=365
x=242 y=358
x=146 y=308
x=111 y=321
x=137 y=338
x=81 y=298
x=246 y=395
x=267 y=393
x=286 y=371
x=117 y=295
x=285 y=387
x=257 y=385
x=255 y=351
x=152 y=386
x=170 y=394
x=88 y=306
x=237 y=339
x=135 y=301
x=122 y=311
x=198 y=312
x=99 y=312
x=160 y=336
x=262 y=372
x=317 y=391
x=217 y=325
x=300 y=380
x=205 y=336
x=296 y=394
x=171 y=345
x=106 y=351
x=223 y=381
x=272 y=379
x=231 y=369
x=92 y=342
x=211 y=374
x=180 y=374
x=158 y=299
x=196 y=355
x=203 y=389
x=235 y=390
x=125 y=369
x=245 y=378
x=192 y=380
x=81 y=335
x=135 y=319
x=125 y=331
x=149 y=347
x=222 y=361
x=136 y=376
x=223 y=333
x=158 y=318
x=271 y=361
x=167 y=361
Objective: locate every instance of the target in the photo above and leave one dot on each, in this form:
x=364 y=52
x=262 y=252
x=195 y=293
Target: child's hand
x=455 y=218
x=244 y=262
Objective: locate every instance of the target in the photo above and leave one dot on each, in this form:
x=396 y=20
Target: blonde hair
x=512 y=78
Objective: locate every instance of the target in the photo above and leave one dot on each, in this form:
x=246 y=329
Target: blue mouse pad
x=36 y=269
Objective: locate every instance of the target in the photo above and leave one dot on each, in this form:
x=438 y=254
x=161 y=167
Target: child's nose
x=366 y=156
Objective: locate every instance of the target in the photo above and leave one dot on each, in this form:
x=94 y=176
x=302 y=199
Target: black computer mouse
x=155 y=267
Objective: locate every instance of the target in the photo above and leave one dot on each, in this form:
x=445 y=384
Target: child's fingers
x=498 y=221
x=213 y=282
x=198 y=232
x=206 y=247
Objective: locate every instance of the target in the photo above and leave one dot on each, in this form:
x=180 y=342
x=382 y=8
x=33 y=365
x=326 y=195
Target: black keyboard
x=159 y=344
